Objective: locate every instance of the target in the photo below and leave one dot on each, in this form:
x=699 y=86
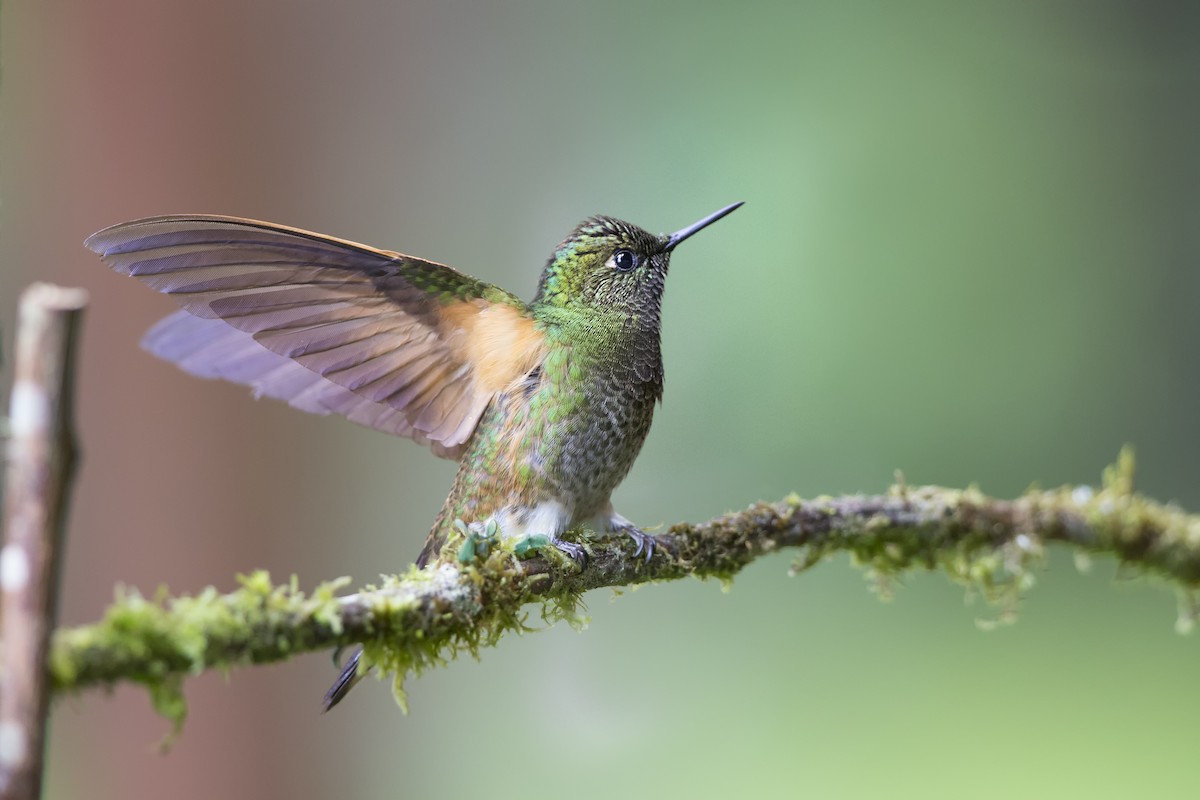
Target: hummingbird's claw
x=573 y=551
x=644 y=541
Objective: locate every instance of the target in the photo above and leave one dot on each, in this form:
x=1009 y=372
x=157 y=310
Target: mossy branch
x=421 y=619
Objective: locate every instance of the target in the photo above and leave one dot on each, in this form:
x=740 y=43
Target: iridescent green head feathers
x=606 y=264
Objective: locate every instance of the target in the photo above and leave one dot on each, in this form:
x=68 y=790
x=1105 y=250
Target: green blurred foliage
x=968 y=251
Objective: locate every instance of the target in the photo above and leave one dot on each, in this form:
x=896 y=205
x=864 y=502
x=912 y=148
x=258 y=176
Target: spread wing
x=393 y=342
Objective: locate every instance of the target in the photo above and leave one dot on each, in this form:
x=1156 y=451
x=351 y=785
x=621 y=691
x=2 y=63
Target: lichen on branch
x=425 y=617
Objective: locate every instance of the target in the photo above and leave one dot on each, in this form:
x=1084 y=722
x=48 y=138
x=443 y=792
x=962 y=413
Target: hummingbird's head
x=607 y=265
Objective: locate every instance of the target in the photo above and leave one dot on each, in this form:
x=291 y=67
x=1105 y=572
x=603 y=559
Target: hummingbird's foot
x=644 y=541
x=575 y=552
x=539 y=541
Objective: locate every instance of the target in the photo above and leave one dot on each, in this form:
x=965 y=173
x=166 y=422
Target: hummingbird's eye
x=624 y=260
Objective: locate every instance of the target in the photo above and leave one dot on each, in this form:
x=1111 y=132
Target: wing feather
x=397 y=343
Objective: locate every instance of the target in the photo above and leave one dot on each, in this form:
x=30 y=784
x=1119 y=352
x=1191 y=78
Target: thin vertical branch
x=41 y=458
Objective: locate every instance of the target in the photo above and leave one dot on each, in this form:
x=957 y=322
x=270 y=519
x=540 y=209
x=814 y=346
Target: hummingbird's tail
x=433 y=545
x=351 y=673
x=345 y=682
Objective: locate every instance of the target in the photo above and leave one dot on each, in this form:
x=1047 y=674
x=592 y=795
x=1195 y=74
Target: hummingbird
x=545 y=405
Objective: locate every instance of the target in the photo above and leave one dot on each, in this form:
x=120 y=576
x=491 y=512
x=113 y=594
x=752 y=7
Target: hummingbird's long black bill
x=678 y=236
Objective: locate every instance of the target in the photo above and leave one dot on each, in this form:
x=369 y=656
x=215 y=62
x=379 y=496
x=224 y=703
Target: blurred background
x=969 y=251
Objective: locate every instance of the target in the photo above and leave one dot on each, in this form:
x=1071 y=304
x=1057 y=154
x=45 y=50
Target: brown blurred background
x=969 y=250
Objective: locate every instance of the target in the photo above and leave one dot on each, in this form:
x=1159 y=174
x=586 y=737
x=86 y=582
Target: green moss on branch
x=423 y=618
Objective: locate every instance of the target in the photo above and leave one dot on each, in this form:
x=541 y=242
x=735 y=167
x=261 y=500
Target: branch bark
x=425 y=617
x=41 y=459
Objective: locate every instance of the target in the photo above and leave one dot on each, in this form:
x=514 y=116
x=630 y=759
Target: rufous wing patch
x=499 y=342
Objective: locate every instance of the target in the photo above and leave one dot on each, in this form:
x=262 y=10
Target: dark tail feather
x=350 y=674
x=433 y=545
x=344 y=683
